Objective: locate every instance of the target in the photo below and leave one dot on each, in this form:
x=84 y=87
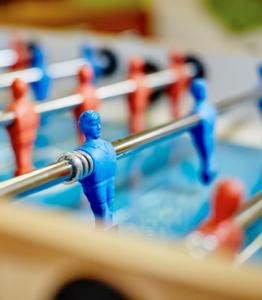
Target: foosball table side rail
x=50 y=256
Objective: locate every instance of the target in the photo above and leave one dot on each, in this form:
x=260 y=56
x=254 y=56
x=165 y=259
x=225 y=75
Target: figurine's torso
x=25 y=126
x=104 y=161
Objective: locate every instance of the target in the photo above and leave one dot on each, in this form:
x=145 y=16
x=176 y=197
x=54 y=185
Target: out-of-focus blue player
x=99 y=186
x=260 y=86
x=41 y=87
x=203 y=134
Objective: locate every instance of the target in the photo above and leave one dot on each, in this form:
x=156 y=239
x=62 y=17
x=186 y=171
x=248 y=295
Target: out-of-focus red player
x=90 y=99
x=227 y=199
x=177 y=89
x=22 y=52
x=138 y=100
x=23 y=129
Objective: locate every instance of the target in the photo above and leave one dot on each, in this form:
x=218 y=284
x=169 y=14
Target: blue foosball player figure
x=260 y=104
x=260 y=86
x=41 y=88
x=203 y=134
x=99 y=186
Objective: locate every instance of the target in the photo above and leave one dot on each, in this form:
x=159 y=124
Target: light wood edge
x=156 y=262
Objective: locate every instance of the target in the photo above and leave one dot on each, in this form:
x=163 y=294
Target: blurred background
x=216 y=25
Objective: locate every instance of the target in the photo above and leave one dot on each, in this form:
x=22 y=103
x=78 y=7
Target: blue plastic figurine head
x=199 y=89
x=90 y=124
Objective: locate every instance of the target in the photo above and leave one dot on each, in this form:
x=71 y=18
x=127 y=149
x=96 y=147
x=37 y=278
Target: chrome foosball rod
x=17 y=55
x=58 y=70
x=154 y=81
x=249 y=251
x=102 y=61
x=8 y=58
x=249 y=214
x=77 y=164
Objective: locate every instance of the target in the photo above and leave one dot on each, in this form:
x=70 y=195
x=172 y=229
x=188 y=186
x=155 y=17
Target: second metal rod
x=154 y=80
x=250 y=211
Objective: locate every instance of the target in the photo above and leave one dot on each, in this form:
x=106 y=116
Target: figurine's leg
x=140 y=121
x=110 y=195
x=137 y=122
x=97 y=196
x=24 y=160
x=260 y=105
x=131 y=124
x=205 y=147
x=174 y=103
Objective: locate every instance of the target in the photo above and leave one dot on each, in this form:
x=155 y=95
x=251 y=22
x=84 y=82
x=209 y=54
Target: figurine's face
x=94 y=129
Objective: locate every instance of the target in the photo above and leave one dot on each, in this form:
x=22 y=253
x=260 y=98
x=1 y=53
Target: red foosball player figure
x=23 y=129
x=177 y=89
x=139 y=99
x=227 y=199
x=90 y=99
x=22 y=52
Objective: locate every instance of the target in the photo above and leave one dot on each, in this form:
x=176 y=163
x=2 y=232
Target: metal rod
x=155 y=80
x=37 y=180
x=121 y=88
x=248 y=251
x=66 y=68
x=57 y=70
x=250 y=211
x=135 y=142
x=230 y=102
x=6 y=118
x=8 y=57
x=247 y=215
x=28 y=75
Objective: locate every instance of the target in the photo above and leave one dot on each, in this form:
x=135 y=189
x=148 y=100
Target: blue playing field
x=157 y=190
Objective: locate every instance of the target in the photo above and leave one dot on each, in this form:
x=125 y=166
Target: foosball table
x=132 y=172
